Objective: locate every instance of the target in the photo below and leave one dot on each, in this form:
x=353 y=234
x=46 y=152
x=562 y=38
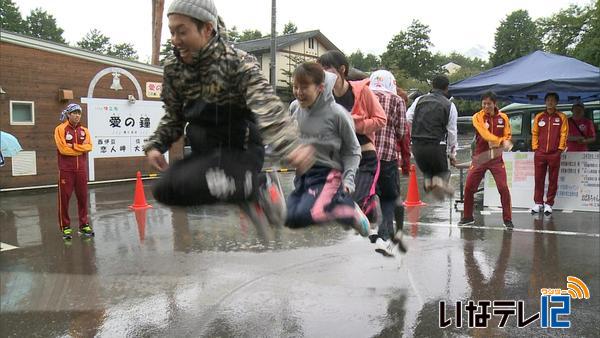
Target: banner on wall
x=578 y=181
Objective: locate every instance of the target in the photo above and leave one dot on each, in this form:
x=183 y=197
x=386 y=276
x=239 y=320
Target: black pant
x=388 y=190
x=365 y=182
x=216 y=170
x=431 y=159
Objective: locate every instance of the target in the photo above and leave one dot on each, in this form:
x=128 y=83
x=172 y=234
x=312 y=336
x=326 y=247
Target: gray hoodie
x=328 y=127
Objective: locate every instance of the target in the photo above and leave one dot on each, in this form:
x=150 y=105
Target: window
x=311 y=43
x=22 y=113
x=596 y=117
x=516 y=124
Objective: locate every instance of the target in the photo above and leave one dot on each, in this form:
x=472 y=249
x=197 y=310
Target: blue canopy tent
x=528 y=79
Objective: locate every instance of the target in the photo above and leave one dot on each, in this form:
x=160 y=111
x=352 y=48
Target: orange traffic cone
x=412 y=197
x=139 y=199
x=412 y=215
x=140 y=218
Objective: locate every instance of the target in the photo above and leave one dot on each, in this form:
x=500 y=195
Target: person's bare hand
x=453 y=161
x=157 y=160
x=302 y=158
x=507 y=145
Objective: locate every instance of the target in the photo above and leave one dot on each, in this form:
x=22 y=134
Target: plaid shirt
x=386 y=137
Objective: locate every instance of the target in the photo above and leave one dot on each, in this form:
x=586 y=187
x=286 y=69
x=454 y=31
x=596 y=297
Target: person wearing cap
x=581 y=129
x=549 y=131
x=434 y=136
x=72 y=146
x=228 y=110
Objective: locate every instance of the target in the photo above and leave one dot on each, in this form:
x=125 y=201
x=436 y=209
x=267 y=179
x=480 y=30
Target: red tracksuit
x=548 y=140
x=73 y=144
x=580 y=128
x=489 y=130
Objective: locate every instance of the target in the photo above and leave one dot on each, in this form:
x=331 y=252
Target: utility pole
x=158 y=7
x=273 y=68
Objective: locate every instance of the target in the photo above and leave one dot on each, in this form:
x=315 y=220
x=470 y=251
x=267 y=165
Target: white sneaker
x=385 y=248
x=272 y=199
x=441 y=189
x=547 y=209
x=537 y=208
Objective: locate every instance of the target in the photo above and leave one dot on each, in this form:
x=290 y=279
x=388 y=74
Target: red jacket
x=367 y=112
x=490 y=129
x=72 y=145
x=580 y=128
x=549 y=132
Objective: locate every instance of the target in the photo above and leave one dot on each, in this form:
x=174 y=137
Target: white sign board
x=578 y=181
x=120 y=128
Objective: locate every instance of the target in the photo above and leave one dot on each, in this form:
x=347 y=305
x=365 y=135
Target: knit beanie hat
x=203 y=10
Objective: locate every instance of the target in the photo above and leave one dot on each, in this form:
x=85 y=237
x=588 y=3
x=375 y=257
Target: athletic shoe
x=427 y=184
x=537 y=208
x=67 y=233
x=509 y=224
x=440 y=188
x=361 y=222
x=272 y=200
x=86 y=230
x=254 y=211
x=466 y=221
x=386 y=248
x=373 y=235
x=547 y=209
x=397 y=240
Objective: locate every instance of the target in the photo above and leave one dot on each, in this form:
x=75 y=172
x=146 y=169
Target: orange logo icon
x=577 y=288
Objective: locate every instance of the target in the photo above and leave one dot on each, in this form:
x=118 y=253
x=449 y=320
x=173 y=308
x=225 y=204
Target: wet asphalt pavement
x=208 y=272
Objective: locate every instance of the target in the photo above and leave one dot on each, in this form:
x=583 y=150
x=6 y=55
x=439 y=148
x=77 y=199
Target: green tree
x=292 y=62
x=124 y=51
x=516 y=36
x=10 y=17
x=95 y=41
x=363 y=62
x=290 y=28
x=166 y=50
x=42 y=25
x=408 y=51
x=562 y=31
x=587 y=49
x=250 y=34
x=233 y=34
x=464 y=62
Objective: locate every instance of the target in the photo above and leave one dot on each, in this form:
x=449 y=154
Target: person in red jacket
x=368 y=116
x=73 y=145
x=581 y=130
x=549 y=131
x=492 y=135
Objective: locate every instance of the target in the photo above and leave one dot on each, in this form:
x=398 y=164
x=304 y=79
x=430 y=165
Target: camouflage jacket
x=221 y=74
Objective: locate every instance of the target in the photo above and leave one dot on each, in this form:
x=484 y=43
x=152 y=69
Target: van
x=521 y=116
